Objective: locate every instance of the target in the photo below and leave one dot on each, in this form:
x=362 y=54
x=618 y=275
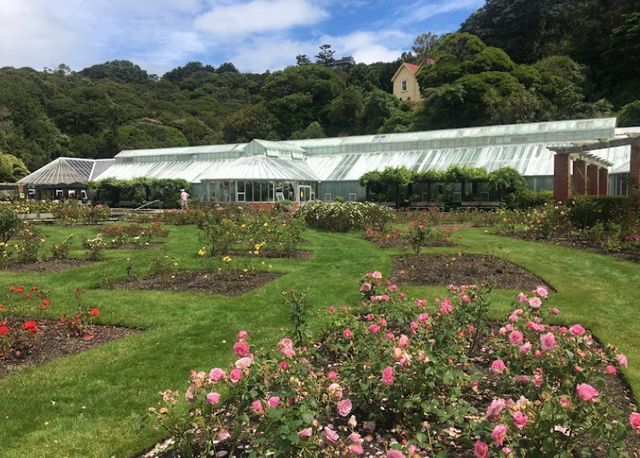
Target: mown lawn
x=95 y=403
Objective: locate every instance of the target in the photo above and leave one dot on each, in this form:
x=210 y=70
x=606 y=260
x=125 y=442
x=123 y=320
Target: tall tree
x=325 y=56
x=424 y=47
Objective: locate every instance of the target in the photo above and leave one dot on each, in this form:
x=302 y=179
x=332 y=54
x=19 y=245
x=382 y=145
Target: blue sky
x=255 y=35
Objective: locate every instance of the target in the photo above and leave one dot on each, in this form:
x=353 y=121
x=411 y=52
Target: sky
x=256 y=35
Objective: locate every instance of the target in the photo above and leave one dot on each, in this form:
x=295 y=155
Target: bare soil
x=47 y=266
x=462 y=269
x=53 y=342
x=230 y=283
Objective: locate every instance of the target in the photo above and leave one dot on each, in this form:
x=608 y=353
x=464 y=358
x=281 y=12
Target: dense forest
x=512 y=61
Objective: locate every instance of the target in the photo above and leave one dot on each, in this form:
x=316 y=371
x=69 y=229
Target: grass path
x=94 y=403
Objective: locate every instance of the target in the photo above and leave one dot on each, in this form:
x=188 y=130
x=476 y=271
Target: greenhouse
x=326 y=168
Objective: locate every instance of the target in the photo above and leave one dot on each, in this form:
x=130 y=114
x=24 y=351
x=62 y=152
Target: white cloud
x=423 y=10
x=271 y=53
x=367 y=47
x=257 y=16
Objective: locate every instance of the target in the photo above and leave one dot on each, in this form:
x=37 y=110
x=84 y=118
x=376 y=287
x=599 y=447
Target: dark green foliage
x=9 y=223
x=121 y=71
x=586 y=212
x=140 y=190
x=630 y=115
x=601 y=34
x=11 y=168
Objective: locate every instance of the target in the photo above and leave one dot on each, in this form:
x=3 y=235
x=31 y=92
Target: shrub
x=29 y=245
x=61 y=250
x=22 y=308
x=9 y=223
x=344 y=216
x=413 y=377
x=586 y=211
x=95 y=247
x=80 y=323
x=75 y=213
x=163 y=264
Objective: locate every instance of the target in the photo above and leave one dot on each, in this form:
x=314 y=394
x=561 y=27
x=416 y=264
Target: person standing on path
x=184 y=196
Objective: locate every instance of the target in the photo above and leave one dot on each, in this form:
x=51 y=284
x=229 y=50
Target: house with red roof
x=405 y=85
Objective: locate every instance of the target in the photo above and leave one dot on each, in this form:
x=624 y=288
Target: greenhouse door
x=305 y=193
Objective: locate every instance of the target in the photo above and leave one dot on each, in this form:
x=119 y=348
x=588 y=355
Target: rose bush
x=409 y=377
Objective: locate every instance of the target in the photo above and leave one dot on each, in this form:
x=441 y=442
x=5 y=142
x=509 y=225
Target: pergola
x=590 y=172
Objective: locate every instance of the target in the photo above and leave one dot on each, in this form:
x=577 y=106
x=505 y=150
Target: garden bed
x=53 y=342
x=462 y=269
x=230 y=283
x=47 y=266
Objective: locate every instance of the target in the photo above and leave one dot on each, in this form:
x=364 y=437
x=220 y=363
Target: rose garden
x=338 y=329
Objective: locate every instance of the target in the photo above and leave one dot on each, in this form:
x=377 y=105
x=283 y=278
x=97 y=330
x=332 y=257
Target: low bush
x=9 y=223
x=399 y=376
x=344 y=216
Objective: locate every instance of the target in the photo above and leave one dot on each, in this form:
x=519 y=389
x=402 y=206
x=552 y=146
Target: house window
x=403 y=85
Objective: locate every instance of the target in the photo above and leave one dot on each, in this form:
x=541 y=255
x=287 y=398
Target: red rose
x=95 y=312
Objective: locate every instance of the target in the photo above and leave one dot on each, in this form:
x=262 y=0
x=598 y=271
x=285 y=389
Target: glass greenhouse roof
x=525 y=147
x=67 y=171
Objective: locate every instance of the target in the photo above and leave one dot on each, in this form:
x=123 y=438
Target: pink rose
x=256 y=406
x=480 y=449
x=356 y=449
x=565 y=402
x=622 y=359
x=305 y=433
x=347 y=334
x=611 y=370
x=390 y=335
x=377 y=275
x=242 y=335
x=555 y=311
x=519 y=419
x=525 y=348
x=344 y=407
x=535 y=302
x=586 y=392
x=576 y=330
x=495 y=408
x=273 y=401
x=235 y=375
x=241 y=349
x=355 y=438
x=288 y=352
x=374 y=328
x=522 y=379
x=542 y=292
x=422 y=303
x=522 y=298
x=446 y=307
x=223 y=435
x=387 y=375
x=498 y=366
x=366 y=287
x=548 y=341
x=243 y=363
x=332 y=375
x=332 y=309
x=403 y=342
x=216 y=374
x=213 y=398
x=423 y=317
x=516 y=337
x=499 y=434
x=395 y=454
x=634 y=421
x=330 y=435
x=414 y=326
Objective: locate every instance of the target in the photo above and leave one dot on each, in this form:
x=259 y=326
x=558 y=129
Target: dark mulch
x=53 y=342
x=403 y=243
x=230 y=283
x=50 y=265
x=462 y=269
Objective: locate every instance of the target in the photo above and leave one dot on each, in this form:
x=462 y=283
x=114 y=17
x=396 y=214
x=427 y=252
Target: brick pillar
x=603 y=181
x=634 y=164
x=593 y=185
x=561 y=182
x=579 y=176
